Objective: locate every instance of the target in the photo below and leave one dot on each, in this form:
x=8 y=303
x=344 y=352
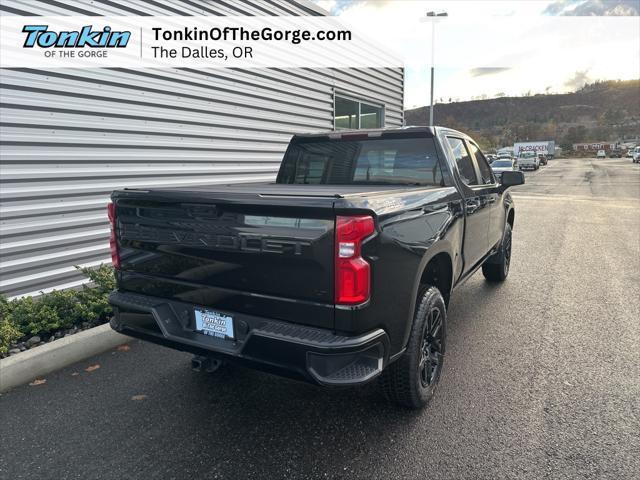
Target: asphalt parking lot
x=541 y=378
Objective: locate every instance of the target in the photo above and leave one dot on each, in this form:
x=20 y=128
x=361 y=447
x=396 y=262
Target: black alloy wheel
x=431 y=360
x=496 y=267
x=412 y=379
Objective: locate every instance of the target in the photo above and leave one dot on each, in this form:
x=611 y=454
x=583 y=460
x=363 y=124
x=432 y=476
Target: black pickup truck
x=337 y=273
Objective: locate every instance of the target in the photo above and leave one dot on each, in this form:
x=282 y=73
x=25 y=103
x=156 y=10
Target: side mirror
x=511 y=179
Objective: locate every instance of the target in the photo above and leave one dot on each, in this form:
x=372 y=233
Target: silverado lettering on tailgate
x=244 y=242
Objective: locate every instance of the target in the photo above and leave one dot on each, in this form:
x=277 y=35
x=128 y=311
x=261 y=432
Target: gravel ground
x=541 y=379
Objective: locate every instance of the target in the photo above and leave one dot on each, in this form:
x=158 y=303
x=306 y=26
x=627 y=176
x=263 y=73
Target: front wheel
x=496 y=267
x=411 y=380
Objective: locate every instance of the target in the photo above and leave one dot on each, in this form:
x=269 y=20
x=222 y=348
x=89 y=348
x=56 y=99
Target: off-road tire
x=403 y=382
x=496 y=267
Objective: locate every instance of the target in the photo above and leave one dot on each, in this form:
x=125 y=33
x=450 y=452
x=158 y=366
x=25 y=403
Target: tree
x=612 y=116
x=575 y=134
x=451 y=122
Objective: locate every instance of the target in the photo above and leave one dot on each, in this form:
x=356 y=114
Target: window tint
x=397 y=161
x=483 y=165
x=311 y=168
x=501 y=163
x=463 y=160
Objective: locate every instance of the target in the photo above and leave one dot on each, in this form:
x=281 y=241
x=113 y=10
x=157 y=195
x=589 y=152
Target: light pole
x=432 y=17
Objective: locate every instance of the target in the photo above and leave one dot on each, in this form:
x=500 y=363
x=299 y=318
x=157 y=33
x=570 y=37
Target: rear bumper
x=312 y=354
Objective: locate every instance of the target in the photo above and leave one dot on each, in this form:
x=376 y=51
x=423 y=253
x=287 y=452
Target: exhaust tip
x=200 y=363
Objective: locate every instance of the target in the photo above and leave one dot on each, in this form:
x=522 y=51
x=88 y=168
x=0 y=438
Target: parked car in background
x=601 y=154
x=635 y=155
x=528 y=161
x=615 y=153
x=491 y=157
x=338 y=272
x=505 y=156
x=542 y=158
x=504 y=165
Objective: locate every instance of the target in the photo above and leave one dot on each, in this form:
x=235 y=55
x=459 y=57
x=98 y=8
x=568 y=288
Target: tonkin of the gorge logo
x=41 y=36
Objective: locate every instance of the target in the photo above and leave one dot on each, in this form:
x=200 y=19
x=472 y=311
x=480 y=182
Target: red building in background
x=594 y=147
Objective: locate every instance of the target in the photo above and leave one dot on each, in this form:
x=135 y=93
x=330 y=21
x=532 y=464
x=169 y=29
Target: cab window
x=372 y=160
x=483 y=165
x=463 y=161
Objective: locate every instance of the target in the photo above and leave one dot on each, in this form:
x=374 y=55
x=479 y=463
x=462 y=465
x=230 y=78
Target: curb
x=25 y=366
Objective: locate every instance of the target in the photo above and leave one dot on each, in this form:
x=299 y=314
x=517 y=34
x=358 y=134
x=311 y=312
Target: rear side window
x=399 y=161
x=463 y=160
x=483 y=165
x=502 y=163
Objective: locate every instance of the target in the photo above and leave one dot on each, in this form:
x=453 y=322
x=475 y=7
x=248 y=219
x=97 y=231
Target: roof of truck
x=368 y=131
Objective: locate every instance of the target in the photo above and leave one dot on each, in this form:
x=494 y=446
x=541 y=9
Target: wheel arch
x=436 y=268
x=511 y=216
x=438 y=272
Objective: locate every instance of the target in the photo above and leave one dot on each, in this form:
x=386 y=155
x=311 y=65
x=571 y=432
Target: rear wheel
x=411 y=380
x=496 y=267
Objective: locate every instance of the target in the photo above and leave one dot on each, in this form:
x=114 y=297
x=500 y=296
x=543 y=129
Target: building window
x=370 y=116
x=354 y=114
x=347 y=113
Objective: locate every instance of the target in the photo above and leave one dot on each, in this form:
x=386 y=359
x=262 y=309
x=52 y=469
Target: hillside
x=602 y=111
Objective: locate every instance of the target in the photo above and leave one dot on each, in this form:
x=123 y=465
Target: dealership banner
x=198 y=42
x=311 y=42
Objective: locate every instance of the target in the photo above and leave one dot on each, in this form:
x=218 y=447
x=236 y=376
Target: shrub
x=4 y=307
x=102 y=276
x=60 y=309
x=92 y=301
x=33 y=317
x=8 y=334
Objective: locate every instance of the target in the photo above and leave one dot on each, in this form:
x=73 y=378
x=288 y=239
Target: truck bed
x=273 y=190
x=250 y=248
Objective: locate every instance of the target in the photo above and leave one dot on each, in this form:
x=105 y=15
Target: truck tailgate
x=268 y=258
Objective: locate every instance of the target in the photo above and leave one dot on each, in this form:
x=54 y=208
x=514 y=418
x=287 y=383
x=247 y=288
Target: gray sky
x=492 y=48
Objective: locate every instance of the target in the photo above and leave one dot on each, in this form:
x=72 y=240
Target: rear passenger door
x=477 y=217
x=489 y=195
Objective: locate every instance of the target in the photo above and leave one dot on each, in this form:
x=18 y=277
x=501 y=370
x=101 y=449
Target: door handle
x=472 y=205
x=491 y=199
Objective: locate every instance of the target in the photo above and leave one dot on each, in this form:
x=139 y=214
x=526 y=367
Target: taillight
x=113 y=240
x=353 y=273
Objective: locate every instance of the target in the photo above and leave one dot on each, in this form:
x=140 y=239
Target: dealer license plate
x=215 y=324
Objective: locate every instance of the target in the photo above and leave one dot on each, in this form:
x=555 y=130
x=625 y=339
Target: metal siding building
x=70 y=137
